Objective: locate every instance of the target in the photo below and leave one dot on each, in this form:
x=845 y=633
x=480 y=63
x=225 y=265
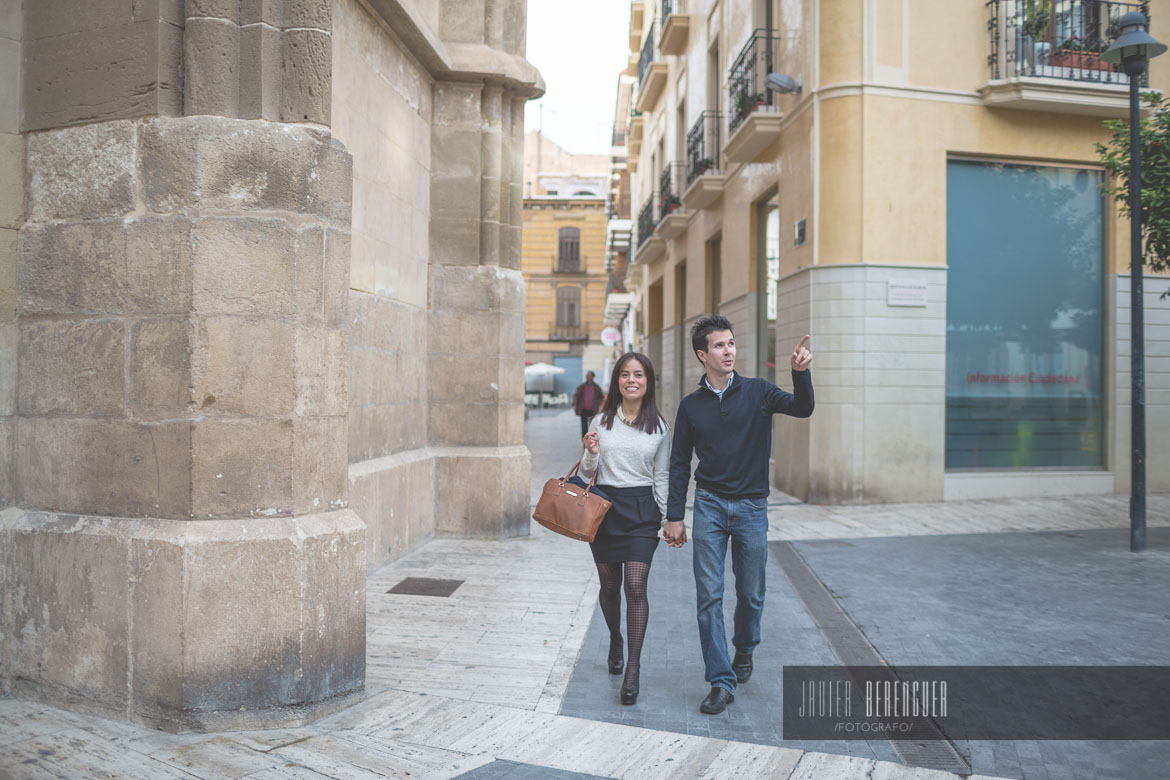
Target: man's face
x=588 y=376
x=719 y=358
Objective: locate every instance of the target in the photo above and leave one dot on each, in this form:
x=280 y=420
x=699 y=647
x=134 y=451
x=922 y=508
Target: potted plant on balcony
x=1079 y=54
x=703 y=165
x=670 y=203
x=1037 y=14
x=747 y=102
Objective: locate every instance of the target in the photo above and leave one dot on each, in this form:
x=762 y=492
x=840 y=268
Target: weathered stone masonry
x=178 y=336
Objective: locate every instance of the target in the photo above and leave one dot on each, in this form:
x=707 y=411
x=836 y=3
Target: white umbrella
x=542 y=369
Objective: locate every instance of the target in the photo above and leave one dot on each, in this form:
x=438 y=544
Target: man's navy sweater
x=732 y=436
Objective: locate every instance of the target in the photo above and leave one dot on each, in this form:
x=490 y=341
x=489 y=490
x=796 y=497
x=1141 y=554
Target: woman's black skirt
x=629 y=531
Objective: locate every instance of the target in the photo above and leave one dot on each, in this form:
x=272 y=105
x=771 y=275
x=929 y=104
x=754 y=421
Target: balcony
x=672 y=222
x=567 y=265
x=651 y=74
x=650 y=246
x=568 y=333
x=705 y=177
x=636 y=19
x=1053 y=62
x=754 y=122
x=676 y=27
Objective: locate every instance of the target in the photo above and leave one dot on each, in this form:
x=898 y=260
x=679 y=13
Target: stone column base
x=482 y=492
x=204 y=625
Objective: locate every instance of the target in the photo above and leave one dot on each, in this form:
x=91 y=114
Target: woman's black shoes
x=630 y=689
x=616 y=664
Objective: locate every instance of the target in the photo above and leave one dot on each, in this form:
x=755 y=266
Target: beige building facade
x=919 y=193
x=261 y=328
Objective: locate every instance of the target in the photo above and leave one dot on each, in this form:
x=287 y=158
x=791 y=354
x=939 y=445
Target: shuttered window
x=569 y=249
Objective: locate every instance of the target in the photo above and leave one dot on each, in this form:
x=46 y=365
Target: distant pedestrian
x=587 y=400
x=728 y=423
x=629 y=442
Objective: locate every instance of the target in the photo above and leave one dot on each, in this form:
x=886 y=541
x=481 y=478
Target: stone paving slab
x=455 y=684
x=672 y=683
x=1045 y=598
x=513 y=770
x=789 y=520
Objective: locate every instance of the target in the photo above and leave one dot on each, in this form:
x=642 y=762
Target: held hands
x=675 y=533
x=591 y=443
x=801 y=357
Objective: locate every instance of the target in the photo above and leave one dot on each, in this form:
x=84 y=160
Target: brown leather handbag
x=570 y=507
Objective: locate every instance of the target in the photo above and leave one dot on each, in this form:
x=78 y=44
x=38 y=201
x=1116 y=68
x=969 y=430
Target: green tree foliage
x=1155 y=148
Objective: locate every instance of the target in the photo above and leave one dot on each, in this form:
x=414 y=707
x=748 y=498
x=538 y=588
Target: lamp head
x=1134 y=46
x=784 y=84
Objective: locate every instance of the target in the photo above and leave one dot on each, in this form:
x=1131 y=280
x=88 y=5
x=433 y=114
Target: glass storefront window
x=1025 y=317
x=768 y=252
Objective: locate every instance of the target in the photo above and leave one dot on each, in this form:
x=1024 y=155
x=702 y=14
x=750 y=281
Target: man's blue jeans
x=745 y=522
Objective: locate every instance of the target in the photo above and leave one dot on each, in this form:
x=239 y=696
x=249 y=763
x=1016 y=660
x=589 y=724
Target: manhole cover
x=426 y=586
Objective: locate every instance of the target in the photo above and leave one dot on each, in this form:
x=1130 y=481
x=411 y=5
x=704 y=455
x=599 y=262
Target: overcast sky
x=579 y=48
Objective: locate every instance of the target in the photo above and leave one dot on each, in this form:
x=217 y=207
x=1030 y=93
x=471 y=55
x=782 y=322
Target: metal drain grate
x=426 y=586
x=931 y=754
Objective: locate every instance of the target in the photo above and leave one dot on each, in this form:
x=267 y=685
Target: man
x=728 y=422
x=587 y=400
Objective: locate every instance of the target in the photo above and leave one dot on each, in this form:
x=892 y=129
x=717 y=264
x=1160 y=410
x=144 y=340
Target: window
x=714 y=274
x=1025 y=316
x=568 y=306
x=569 y=249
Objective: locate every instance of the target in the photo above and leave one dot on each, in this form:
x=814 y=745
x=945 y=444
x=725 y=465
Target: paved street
x=505 y=676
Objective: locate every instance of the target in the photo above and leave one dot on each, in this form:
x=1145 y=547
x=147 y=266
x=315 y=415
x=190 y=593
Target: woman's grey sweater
x=630 y=457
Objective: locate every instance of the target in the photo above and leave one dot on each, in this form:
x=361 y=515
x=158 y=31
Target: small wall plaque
x=904 y=294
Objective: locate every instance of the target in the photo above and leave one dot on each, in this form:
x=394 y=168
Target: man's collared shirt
x=730 y=378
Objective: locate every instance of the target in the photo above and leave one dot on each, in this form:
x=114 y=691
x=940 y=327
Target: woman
x=632 y=443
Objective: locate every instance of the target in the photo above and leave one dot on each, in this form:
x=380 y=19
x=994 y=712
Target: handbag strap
x=576 y=468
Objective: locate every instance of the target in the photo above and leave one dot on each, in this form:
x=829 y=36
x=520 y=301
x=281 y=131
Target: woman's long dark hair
x=648 y=419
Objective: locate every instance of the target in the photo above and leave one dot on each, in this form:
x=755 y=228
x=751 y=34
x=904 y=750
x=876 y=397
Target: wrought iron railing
x=748 y=77
x=565 y=265
x=671 y=184
x=647 y=53
x=703 y=146
x=646 y=221
x=673 y=7
x=1060 y=39
x=568 y=333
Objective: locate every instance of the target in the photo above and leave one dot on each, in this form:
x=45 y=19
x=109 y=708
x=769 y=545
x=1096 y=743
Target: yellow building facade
x=563 y=252
x=920 y=191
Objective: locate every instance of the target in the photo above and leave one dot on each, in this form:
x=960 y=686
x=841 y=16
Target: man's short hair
x=707 y=325
x=589 y=374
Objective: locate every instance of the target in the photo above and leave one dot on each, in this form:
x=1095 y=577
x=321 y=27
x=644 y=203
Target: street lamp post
x=1133 y=50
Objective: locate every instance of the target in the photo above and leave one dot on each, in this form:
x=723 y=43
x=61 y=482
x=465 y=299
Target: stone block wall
x=1156 y=322
x=879 y=379
x=437 y=301
x=174 y=366
x=11 y=218
x=178 y=283
x=210 y=423
x=181 y=359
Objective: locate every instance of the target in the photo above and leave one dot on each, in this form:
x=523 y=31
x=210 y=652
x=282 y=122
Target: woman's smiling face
x=632 y=380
